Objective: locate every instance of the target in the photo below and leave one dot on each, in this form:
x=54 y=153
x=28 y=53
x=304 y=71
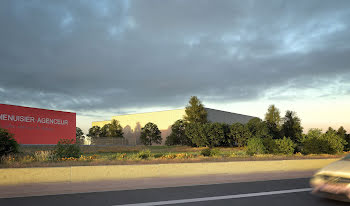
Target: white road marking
x=169 y=202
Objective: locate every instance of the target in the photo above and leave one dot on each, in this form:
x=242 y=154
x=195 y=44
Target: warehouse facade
x=37 y=126
x=132 y=123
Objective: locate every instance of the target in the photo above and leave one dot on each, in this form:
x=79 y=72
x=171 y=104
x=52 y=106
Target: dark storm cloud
x=93 y=55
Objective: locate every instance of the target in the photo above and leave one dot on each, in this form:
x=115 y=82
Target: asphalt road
x=290 y=192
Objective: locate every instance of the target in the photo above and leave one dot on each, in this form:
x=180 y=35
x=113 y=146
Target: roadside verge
x=15 y=176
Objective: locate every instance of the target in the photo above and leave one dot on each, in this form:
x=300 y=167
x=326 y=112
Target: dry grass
x=41 y=156
x=131 y=160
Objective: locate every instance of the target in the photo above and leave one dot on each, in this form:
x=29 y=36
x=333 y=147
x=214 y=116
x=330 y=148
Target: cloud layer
x=88 y=56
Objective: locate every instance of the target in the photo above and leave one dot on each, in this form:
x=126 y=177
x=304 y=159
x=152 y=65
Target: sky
x=105 y=58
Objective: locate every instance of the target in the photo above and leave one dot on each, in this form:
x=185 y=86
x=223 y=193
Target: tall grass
x=43 y=156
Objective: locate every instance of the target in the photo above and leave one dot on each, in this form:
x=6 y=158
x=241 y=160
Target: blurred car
x=333 y=181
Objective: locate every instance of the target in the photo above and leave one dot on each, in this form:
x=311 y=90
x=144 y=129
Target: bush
x=284 y=146
x=270 y=145
x=144 y=154
x=197 y=133
x=206 y=152
x=8 y=145
x=255 y=146
x=66 y=148
x=258 y=128
x=210 y=152
x=215 y=152
x=239 y=135
x=215 y=133
x=158 y=155
x=318 y=143
x=207 y=134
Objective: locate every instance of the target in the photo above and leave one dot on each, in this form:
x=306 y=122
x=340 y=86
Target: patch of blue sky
x=310 y=37
x=322 y=88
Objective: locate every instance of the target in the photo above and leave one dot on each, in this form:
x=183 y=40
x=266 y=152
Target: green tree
x=292 y=127
x=239 y=135
x=258 y=128
x=207 y=134
x=314 y=133
x=8 y=144
x=105 y=130
x=95 y=132
x=331 y=130
x=79 y=135
x=115 y=129
x=195 y=111
x=318 y=143
x=194 y=132
x=273 y=121
x=150 y=134
x=215 y=133
x=341 y=132
x=225 y=141
x=178 y=135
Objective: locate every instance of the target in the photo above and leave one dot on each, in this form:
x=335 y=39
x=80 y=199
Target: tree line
x=274 y=134
x=150 y=134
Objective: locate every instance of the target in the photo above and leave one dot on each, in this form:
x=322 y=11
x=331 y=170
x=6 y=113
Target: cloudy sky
x=104 y=58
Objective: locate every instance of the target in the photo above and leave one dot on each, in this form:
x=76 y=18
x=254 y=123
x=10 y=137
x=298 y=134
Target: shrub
x=270 y=145
x=144 y=154
x=117 y=156
x=158 y=155
x=210 y=152
x=8 y=145
x=318 y=143
x=66 y=148
x=7 y=159
x=215 y=133
x=239 y=134
x=197 y=133
x=284 y=146
x=207 y=134
x=255 y=146
x=215 y=152
x=206 y=152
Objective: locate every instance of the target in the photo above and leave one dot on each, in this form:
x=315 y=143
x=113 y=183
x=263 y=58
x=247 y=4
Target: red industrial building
x=37 y=126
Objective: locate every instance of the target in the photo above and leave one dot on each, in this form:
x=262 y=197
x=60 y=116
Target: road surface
x=287 y=192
